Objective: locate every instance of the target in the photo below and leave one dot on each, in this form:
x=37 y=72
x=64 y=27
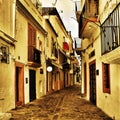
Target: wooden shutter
x=106 y=77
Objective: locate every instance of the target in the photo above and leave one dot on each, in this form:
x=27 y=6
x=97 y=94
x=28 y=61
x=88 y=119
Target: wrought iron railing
x=110 y=31
x=34 y=55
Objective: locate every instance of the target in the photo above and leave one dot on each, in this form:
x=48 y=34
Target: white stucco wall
x=21 y=49
x=109 y=103
x=7 y=82
x=7 y=69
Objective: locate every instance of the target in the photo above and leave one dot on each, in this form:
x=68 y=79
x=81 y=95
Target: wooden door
x=32 y=83
x=19 y=84
x=92 y=69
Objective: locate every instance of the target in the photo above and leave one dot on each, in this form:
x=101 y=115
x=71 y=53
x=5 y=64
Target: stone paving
x=65 y=104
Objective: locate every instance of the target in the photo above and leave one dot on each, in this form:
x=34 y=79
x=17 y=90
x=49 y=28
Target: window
x=106 y=77
x=40 y=45
x=47 y=42
x=31 y=36
x=92 y=54
x=54 y=49
x=31 y=42
x=4 y=50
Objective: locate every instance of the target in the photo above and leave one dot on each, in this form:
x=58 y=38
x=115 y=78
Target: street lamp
x=49 y=68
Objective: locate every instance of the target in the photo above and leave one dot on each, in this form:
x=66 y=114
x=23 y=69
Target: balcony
x=88 y=27
x=87 y=19
x=34 y=59
x=110 y=32
x=110 y=38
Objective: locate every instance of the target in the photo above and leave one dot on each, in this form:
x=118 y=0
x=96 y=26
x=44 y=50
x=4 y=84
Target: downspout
x=82 y=76
x=45 y=65
x=13 y=7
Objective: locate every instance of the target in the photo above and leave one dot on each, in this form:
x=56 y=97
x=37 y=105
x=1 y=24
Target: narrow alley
x=65 y=104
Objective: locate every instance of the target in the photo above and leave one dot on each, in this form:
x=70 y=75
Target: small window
x=47 y=42
x=40 y=45
x=54 y=48
x=106 y=77
x=4 y=50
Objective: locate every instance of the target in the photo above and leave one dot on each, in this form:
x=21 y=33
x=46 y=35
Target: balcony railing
x=34 y=58
x=110 y=32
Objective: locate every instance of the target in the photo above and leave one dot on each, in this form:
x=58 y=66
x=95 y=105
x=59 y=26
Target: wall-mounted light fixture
x=49 y=68
x=13 y=57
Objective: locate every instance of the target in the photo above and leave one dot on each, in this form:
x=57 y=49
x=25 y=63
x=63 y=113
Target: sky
x=66 y=9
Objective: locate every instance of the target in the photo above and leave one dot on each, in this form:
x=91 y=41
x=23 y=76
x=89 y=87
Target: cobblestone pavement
x=62 y=105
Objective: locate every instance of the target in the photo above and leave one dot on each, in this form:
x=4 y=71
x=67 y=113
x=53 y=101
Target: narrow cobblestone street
x=62 y=105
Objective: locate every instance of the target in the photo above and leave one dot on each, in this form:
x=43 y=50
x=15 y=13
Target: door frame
x=92 y=98
x=20 y=85
x=31 y=90
x=85 y=78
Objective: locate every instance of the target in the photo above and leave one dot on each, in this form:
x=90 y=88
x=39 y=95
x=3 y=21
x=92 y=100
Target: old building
x=30 y=46
x=29 y=53
x=59 y=47
x=7 y=49
x=99 y=29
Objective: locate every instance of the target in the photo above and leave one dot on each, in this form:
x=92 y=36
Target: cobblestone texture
x=62 y=105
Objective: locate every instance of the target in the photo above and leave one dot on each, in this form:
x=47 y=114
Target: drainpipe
x=13 y=7
x=45 y=66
